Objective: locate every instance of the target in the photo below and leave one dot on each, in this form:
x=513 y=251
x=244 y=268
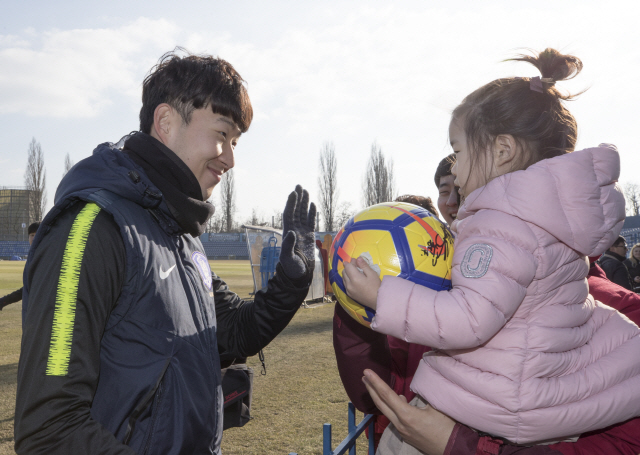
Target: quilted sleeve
x=493 y=264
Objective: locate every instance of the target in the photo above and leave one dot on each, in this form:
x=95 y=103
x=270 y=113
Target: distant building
x=14 y=214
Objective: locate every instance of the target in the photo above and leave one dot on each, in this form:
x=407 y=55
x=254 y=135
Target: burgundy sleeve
x=358 y=348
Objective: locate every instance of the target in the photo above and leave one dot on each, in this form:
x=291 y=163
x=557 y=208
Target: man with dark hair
x=16 y=296
x=448 y=198
x=421 y=201
x=125 y=327
x=612 y=263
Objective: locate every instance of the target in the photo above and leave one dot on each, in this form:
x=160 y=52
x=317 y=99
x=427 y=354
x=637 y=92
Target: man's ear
x=505 y=150
x=163 y=122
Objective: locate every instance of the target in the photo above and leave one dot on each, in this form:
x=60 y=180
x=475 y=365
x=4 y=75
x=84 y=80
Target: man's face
x=620 y=249
x=448 y=198
x=205 y=145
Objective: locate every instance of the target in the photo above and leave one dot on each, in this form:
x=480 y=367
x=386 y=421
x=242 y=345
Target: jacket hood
x=110 y=169
x=574 y=197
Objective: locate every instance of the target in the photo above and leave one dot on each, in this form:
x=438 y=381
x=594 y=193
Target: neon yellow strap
x=65 y=312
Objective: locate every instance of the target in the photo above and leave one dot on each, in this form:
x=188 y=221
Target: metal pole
x=326 y=439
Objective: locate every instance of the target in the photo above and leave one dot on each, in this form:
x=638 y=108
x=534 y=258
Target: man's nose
x=453 y=198
x=227 y=157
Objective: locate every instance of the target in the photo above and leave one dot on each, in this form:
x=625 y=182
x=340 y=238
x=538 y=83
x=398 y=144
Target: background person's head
x=512 y=123
x=421 y=201
x=198 y=106
x=448 y=198
x=31 y=230
x=634 y=255
x=619 y=246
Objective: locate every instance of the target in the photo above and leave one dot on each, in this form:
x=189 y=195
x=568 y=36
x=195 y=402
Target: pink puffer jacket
x=522 y=350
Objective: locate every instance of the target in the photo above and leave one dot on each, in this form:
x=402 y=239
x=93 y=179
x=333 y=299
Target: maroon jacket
x=358 y=347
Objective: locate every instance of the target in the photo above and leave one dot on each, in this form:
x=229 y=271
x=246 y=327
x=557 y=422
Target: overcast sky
x=341 y=71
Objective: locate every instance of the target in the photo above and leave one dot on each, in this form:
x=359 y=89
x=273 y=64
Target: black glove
x=297 y=256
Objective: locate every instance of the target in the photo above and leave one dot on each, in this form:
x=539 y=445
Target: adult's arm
x=245 y=327
x=358 y=348
x=60 y=358
x=8 y=299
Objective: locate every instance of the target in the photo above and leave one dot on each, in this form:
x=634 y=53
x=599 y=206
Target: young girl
x=521 y=350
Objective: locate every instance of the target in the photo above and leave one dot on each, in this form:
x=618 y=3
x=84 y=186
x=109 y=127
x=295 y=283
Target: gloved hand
x=297 y=256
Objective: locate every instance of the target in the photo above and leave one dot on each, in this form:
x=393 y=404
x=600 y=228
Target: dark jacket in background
x=613 y=266
x=634 y=271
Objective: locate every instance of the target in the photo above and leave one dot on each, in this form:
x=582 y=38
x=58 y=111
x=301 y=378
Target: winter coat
x=522 y=350
x=616 y=271
x=634 y=271
x=159 y=386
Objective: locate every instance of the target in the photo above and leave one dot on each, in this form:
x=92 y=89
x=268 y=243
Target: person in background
x=448 y=196
x=612 y=262
x=421 y=201
x=633 y=266
x=16 y=296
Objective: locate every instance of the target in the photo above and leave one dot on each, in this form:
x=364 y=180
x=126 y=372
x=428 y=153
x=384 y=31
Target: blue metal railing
x=349 y=443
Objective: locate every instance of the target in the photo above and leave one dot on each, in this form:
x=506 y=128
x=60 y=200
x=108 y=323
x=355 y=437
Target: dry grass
x=300 y=392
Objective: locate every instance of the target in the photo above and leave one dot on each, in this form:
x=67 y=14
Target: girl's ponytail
x=529 y=109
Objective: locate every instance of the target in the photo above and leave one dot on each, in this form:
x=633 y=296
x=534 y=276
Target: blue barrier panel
x=349 y=443
x=269 y=257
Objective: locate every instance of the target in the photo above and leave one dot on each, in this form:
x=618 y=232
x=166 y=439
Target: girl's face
x=468 y=177
x=636 y=253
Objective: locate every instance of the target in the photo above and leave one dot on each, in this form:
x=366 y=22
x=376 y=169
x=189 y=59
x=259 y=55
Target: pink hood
x=522 y=350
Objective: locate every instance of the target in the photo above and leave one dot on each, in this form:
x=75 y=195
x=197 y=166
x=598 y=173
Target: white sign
x=24 y=225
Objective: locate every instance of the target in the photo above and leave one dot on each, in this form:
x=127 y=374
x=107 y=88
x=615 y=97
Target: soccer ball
x=402 y=240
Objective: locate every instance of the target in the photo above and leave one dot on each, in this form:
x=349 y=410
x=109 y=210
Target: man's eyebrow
x=229 y=122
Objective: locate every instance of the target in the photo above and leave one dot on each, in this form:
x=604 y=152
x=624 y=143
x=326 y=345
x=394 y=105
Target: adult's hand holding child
x=426 y=429
x=361 y=286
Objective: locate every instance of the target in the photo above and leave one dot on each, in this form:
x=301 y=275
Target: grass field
x=301 y=391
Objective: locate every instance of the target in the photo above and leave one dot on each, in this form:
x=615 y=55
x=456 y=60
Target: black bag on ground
x=237 y=389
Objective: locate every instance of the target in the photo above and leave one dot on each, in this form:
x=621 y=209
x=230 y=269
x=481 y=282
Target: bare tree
x=214 y=224
x=328 y=184
x=68 y=164
x=379 y=185
x=632 y=195
x=228 y=200
x=35 y=180
x=343 y=213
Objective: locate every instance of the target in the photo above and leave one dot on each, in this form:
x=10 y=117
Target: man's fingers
x=311 y=220
x=303 y=205
x=296 y=211
x=288 y=243
x=289 y=209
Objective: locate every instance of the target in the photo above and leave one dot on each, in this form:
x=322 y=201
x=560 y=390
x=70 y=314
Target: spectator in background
x=613 y=265
x=633 y=266
x=16 y=296
x=424 y=202
x=448 y=197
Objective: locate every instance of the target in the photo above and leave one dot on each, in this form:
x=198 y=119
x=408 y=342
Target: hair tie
x=535 y=83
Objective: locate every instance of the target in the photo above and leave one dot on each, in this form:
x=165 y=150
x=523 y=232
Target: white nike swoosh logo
x=164 y=274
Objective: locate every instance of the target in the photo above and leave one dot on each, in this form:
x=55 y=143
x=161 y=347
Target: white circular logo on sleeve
x=200 y=260
x=476 y=260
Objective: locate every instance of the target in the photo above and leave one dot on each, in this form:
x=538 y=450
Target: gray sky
x=350 y=72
